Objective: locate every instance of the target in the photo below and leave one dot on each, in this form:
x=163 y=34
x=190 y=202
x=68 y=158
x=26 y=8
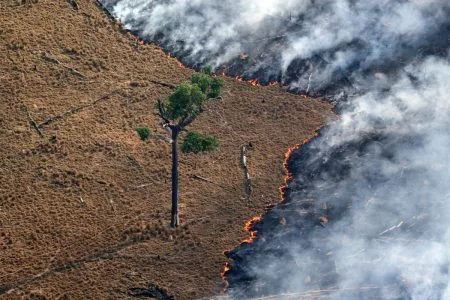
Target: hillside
x=84 y=204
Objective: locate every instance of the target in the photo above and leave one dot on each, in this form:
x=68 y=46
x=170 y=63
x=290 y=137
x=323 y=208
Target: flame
x=288 y=178
x=180 y=64
x=249 y=225
x=138 y=39
x=226 y=268
x=254 y=82
x=223 y=274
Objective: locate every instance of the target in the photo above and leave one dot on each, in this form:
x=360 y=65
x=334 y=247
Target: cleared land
x=84 y=204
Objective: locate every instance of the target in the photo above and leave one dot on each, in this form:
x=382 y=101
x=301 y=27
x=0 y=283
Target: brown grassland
x=85 y=207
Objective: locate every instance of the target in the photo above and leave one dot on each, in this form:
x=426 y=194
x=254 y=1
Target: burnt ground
x=84 y=204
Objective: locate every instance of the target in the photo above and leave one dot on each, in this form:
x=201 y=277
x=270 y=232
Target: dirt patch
x=85 y=204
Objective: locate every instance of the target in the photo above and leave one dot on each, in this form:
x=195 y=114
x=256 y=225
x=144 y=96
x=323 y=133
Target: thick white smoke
x=334 y=41
x=382 y=171
x=396 y=227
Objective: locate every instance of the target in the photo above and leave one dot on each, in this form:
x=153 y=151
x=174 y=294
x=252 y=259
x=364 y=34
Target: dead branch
x=163 y=84
x=392 y=228
x=76 y=109
x=210 y=181
x=162 y=112
x=142 y=186
x=247 y=180
x=32 y=121
x=56 y=61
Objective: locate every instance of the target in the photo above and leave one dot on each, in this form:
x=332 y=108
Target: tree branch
x=186 y=121
x=161 y=112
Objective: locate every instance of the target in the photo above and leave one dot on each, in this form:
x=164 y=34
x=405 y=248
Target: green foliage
x=215 y=87
x=207 y=70
x=196 y=142
x=186 y=101
x=209 y=85
x=143 y=132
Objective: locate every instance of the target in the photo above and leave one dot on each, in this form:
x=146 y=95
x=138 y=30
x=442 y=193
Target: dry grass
x=84 y=209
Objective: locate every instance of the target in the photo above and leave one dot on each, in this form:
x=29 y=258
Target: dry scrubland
x=84 y=209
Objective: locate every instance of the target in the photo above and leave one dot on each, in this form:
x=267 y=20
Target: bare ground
x=84 y=208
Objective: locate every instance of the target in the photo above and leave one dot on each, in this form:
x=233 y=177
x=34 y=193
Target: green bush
x=215 y=87
x=143 y=132
x=196 y=142
x=209 y=85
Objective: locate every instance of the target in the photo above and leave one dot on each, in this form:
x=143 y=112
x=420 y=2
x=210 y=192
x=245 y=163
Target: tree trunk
x=174 y=221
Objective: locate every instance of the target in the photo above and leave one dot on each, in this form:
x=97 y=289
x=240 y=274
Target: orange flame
x=249 y=225
x=180 y=64
x=223 y=274
x=254 y=82
x=226 y=268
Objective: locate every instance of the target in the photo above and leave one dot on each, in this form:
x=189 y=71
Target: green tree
x=179 y=111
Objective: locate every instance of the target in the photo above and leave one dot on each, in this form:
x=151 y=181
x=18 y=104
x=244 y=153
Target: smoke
x=366 y=215
x=327 y=46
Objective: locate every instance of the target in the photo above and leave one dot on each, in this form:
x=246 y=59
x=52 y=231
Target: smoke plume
x=318 y=47
x=366 y=214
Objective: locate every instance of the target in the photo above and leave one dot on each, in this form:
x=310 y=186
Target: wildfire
x=226 y=268
x=138 y=39
x=253 y=82
x=288 y=154
x=249 y=225
x=223 y=274
x=169 y=55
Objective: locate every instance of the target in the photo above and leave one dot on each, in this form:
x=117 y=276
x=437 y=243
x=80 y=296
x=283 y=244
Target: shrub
x=143 y=132
x=196 y=142
x=216 y=86
x=209 y=85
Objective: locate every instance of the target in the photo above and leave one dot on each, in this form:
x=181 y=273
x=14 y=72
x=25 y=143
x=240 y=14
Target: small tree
x=180 y=110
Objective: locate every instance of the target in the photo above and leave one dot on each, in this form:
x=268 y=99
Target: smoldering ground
x=366 y=214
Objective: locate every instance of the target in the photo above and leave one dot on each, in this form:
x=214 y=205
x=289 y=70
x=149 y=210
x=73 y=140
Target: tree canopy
x=188 y=100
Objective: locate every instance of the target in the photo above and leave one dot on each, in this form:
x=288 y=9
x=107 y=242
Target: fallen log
x=247 y=180
x=56 y=61
x=75 y=109
x=32 y=121
x=210 y=181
